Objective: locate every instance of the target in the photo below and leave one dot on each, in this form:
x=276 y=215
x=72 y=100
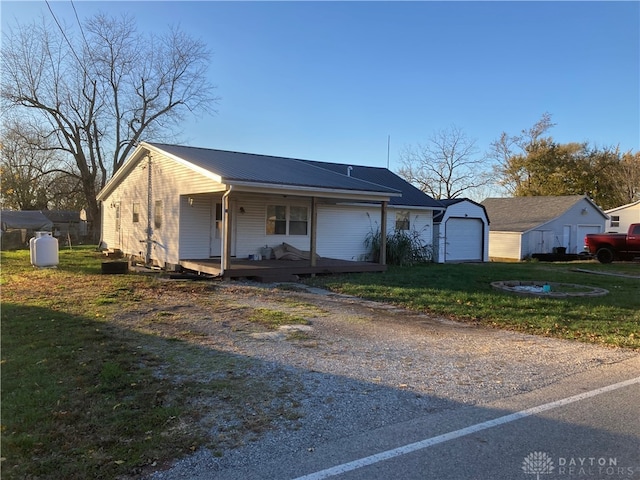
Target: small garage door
x=464 y=240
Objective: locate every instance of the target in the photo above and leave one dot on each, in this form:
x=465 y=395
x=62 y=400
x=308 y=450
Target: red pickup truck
x=608 y=247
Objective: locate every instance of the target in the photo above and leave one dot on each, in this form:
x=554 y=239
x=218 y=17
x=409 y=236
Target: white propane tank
x=45 y=250
x=32 y=246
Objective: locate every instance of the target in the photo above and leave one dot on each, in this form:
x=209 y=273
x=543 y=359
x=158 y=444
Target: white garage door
x=464 y=240
x=582 y=231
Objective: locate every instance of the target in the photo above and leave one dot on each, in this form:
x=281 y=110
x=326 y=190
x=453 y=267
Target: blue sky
x=332 y=81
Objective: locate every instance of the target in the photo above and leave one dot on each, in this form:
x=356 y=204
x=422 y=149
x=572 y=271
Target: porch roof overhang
x=358 y=196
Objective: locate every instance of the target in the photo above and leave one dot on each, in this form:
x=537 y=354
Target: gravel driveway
x=363 y=365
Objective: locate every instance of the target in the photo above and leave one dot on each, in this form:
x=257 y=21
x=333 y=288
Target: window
x=157 y=214
x=298 y=221
x=276 y=220
x=284 y=220
x=136 y=213
x=615 y=220
x=118 y=218
x=402 y=221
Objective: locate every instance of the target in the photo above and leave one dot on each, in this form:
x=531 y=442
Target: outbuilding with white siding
x=171 y=203
x=523 y=226
x=461 y=232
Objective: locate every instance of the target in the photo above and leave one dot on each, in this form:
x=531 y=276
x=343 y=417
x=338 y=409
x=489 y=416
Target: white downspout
x=226 y=231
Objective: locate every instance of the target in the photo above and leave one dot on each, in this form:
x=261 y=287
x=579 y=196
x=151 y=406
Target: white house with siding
x=169 y=203
x=522 y=226
x=621 y=217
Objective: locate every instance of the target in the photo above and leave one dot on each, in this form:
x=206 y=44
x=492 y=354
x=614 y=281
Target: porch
x=278 y=270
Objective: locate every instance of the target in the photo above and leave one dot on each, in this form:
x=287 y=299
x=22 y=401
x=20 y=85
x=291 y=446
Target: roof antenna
x=388 y=145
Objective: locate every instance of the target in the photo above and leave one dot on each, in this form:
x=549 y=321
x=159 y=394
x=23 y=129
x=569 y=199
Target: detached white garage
x=524 y=226
x=461 y=232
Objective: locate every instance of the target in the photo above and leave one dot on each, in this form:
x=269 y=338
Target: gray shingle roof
x=519 y=214
x=235 y=167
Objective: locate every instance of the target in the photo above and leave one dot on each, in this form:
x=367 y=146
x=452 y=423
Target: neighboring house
x=522 y=226
x=461 y=232
x=68 y=224
x=171 y=203
x=18 y=226
x=621 y=217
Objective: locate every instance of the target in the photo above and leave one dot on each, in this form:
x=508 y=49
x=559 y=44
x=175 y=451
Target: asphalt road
x=584 y=427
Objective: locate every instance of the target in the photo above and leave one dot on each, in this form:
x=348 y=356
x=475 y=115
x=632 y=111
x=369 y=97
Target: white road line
x=412 y=447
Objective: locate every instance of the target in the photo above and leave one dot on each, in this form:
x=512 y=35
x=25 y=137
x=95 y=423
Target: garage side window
x=402 y=221
x=136 y=213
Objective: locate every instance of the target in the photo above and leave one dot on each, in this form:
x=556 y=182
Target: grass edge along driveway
x=463 y=292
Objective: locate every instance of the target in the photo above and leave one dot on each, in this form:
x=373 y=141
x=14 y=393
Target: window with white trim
x=287 y=220
x=615 y=220
x=403 y=220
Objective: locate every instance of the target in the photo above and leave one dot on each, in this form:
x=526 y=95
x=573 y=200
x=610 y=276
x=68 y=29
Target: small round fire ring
x=548 y=289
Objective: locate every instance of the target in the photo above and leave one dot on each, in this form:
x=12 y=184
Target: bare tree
x=34 y=177
x=23 y=167
x=447 y=166
x=100 y=92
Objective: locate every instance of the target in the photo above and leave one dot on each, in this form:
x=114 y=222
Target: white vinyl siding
x=195 y=226
x=250 y=231
x=170 y=180
x=342 y=230
x=504 y=245
x=626 y=215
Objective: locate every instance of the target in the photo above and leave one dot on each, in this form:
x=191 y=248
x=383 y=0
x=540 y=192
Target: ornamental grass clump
x=404 y=247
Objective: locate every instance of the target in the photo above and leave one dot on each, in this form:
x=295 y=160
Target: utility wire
x=65 y=37
x=84 y=38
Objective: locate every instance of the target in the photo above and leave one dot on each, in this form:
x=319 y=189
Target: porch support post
x=383 y=233
x=314 y=224
x=226 y=232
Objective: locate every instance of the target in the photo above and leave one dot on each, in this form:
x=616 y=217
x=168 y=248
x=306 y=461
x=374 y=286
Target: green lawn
x=463 y=292
x=83 y=398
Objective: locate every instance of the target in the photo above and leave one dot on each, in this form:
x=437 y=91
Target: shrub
x=404 y=247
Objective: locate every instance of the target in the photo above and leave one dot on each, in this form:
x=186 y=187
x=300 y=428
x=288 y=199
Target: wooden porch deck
x=278 y=270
